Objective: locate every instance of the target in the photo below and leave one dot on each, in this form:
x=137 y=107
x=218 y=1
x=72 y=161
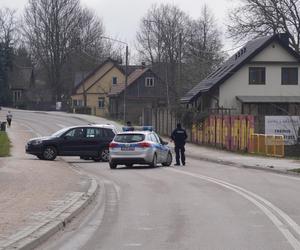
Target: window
x=149 y=81
x=76 y=133
x=17 y=94
x=101 y=102
x=257 y=75
x=92 y=132
x=289 y=76
x=77 y=103
x=114 y=80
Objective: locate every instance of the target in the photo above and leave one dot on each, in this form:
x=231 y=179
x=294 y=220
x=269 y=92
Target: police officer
x=179 y=137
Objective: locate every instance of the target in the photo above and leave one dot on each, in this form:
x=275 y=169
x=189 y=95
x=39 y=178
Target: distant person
x=129 y=126
x=9 y=118
x=179 y=137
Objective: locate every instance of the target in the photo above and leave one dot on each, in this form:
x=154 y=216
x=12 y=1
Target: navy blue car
x=88 y=142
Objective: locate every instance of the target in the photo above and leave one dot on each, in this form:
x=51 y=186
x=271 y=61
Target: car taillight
x=113 y=145
x=144 y=144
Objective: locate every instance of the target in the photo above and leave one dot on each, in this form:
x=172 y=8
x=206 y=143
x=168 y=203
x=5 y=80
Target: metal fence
x=271 y=145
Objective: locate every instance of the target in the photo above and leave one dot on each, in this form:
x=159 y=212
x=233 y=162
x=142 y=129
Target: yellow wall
x=99 y=85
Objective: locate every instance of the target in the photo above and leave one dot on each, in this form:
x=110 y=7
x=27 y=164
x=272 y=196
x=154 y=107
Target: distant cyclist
x=9 y=118
x=179 y=137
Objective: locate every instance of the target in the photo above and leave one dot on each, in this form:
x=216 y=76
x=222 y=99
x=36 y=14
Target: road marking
x=261 y=203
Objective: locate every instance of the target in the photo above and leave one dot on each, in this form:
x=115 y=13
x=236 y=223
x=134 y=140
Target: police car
x=138 y=145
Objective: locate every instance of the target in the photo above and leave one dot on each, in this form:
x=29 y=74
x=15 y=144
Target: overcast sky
x=121 y=18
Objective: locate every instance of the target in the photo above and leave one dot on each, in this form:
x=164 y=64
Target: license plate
x=127 y=149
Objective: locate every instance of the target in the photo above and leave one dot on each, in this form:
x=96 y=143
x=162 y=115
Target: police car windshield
x=129 y=138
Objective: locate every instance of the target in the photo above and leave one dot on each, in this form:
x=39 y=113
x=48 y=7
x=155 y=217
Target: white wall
x=238 y=84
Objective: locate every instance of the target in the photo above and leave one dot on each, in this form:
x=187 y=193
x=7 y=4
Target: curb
x=46 y=229
x=234 y=164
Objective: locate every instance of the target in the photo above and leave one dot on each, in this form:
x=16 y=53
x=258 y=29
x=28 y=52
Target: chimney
x=284 y=38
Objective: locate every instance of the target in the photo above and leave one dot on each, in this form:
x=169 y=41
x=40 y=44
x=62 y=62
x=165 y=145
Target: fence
x=228 y=132
x=272 y=145
x=231 y=132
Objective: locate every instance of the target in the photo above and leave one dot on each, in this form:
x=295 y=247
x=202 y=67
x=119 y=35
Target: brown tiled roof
x=119 y=88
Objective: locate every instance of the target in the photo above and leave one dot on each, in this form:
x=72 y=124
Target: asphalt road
x=200 y=206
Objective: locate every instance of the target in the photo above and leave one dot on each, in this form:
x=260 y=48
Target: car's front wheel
x=49 y=153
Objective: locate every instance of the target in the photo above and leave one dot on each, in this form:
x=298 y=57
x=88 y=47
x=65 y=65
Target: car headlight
x=36 y=142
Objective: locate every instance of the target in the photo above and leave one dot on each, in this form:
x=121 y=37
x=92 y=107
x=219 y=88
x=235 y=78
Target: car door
x=73 y=142
x=94 y=138
x=157 y=147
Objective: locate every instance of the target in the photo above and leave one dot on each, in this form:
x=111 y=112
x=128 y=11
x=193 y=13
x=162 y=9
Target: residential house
x=262 y=78
x=92 y=91
x=144 y=91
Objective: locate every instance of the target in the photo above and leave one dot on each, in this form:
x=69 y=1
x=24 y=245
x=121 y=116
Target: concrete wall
x=273 y=58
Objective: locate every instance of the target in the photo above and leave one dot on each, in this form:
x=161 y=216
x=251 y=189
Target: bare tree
x=8 y=31
x=161 y=38
x=56 y=30
x=254 y=18
x=8 y=26
x=185 y=49
x=203 y=48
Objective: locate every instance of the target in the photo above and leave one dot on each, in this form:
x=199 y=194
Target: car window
x=153 y=138
x=59 y=132
x=93 y=133
x=128 y=138
x=76 y=133
x=159 y=140
x=108 y=133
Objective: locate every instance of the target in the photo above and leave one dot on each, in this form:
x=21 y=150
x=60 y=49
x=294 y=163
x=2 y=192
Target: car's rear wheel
x=49 y=153
x=153 y=164
x=112 y=165
x=104 y=154
x=168 y=161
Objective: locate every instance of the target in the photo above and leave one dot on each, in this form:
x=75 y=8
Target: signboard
x=287 y=126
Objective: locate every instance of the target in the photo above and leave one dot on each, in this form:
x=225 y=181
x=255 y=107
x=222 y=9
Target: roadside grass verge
x=296 y=170
x=4 y=144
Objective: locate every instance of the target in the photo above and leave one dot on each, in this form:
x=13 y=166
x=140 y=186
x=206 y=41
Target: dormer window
x=149 y=82
x=114 y=80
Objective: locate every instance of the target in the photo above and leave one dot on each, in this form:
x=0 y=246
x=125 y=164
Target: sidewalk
x=35 y=194
x=280 y=165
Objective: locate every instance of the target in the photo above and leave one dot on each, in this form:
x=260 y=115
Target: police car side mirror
x=164 y=143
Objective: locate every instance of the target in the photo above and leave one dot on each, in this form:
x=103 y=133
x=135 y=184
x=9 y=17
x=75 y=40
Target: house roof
x=122 y=68
x=93 y=72
x=268 y=99
x=234 y=63
x=135 y=75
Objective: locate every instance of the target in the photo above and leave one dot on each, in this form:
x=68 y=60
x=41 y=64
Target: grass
x=4 y=144
x=296 y=170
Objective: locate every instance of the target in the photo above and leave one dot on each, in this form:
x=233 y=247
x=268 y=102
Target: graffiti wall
x=228 y=132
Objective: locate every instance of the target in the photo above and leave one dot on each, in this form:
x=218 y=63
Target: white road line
x=260 y=203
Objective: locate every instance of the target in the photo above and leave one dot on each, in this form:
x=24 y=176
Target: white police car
x=138 y=145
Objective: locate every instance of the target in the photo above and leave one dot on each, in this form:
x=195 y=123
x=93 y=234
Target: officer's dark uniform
x=179 y=137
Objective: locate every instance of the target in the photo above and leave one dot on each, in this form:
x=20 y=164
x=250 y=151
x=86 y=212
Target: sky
x=121 y=18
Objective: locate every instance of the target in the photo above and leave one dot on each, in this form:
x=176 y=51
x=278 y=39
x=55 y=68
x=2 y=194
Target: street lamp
x=126 y=73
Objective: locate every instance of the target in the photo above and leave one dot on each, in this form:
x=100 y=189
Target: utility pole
x=126 y=80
